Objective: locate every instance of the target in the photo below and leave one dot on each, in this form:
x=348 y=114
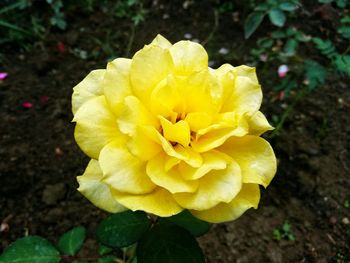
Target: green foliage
x=315 y=73
x=344 y=29
x=340 y=62
x=167 y=243
x=71 y=241
x=284 y=232
x=57 y=18
x=275 y=9
x=30 y=249
x=103 y=250
x=122 y=229
x=347 y=204
x=131 y=9
x=340 y=3
x=186 y=220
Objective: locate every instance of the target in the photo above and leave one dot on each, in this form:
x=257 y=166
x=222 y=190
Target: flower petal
x=215 y=187
x=89 y=87
x=93 y=116
x=149 y=66
x=188 y=57
x=255 y=157
x=171 y=179
x=160 y=202
x=133 y=115
x=123 y=171
x=245 y=98
x=116 y=83
x=161 y=41
x=248 y=197
x=142 y=146
x=258 y=124
x=97 y=192
x=178 y=132
x=186 y=154
x=212 y=160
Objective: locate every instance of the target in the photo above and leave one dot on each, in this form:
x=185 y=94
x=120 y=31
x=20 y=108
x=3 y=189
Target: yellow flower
x=166 y=133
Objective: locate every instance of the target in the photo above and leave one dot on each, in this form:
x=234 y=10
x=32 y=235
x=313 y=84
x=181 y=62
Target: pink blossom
x=282 y=71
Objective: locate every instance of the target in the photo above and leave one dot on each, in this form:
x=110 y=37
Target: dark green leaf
x=71 y=241
x=278 y=34
x=291 y=46
x=277 y=17
x=166 y=243
x=345 y=31
x=186 y=220
x=252 y=22
x=314 y=73
x=288 y=6
x=342 y=3
x=265 y=42
x=107 y=259
x=103 y=250
x=262 y=7
x=342 y=63
x=122 y=229
x=29 y=250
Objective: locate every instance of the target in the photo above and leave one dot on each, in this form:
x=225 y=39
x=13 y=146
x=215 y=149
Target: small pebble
x=188 y=36
x=345 y=221
x=223 y=51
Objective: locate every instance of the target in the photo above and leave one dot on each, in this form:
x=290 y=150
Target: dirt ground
x=39 y=158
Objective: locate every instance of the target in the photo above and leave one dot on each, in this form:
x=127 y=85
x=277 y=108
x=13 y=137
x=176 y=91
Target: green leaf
x=166 y=243
x=29 y=250
x=314 y=73
x=192 y=224
x=345 y=31
x=287 y=6
x=290 y=47
x=342 y=63
x=278 y=34
x=265 y=42
x=80 y=261
x=71 y=241
x=277 y=17
x=122 y=229
x=252 y=22
x=107 y=259
x=103 y=250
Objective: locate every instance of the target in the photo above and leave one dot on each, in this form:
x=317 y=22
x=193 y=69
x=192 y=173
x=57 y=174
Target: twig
x=215 y=27
x=131 y=40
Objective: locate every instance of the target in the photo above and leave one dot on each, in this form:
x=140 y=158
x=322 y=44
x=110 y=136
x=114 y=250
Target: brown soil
x=39 y=158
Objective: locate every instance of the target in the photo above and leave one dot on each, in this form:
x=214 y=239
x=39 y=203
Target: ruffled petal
x=215 y=187
x=171 y=179
x=246 y=97
x=91 y=186
x=123 y=171
x=188 y=57
x=135 y=114
x=96 y=126
x=186 y=154
x=89 y=87
x=255 y=157
x=160 y=202
x=258 y=124
x=149 y=66
x=212 y=160
x=248 y=197
x=116 y=83
x=161 y=41
x=178 y=132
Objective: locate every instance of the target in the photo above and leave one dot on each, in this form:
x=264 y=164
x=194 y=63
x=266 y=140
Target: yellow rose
x=166 y=133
